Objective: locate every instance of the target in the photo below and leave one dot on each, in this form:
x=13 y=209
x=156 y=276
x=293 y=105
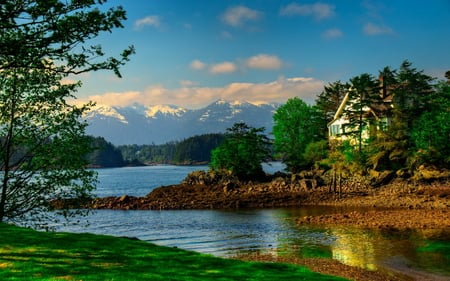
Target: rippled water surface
x=228 y=233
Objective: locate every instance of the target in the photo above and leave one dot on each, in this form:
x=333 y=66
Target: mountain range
x=139 y=124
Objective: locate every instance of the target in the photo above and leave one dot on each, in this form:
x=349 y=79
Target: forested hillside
x=104 y=154
x=193 y=150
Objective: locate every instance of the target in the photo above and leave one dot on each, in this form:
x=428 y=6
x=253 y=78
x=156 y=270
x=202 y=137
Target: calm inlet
x=274 y=231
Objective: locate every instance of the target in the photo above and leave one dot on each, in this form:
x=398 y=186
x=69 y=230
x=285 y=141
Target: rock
x=430 y=173
x=307 y=184
x=383 y=178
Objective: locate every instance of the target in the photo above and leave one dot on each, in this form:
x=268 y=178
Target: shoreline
x=397 y=195
x=399 y=206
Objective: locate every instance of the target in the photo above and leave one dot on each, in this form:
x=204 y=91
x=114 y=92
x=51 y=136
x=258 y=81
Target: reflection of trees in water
x=275 y=232
x=371 y=249
x=355 y=247
x=304 y=242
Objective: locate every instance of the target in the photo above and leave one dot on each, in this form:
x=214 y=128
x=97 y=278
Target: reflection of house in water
x=354 y=247
x=376 y=116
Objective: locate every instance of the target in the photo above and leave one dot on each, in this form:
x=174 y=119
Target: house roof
x=340 y=108
x=376 y=109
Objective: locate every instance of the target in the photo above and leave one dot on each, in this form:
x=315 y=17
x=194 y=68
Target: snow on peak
x=241 y=103
x=152 y=111
x=221 y=101
x=107 y=111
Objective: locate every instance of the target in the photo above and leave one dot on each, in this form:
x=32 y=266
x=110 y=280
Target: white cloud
x=197 y=65
x=153 y=21
x=318 y=11
x=239 y=15
x=258 y=62
x=373 y=29
x=115 y=98
x=332 y=33
x=195 y=97
x=263 y=61
x=224 y=67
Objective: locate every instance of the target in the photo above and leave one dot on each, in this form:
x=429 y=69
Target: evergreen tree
x=363 y=94
x=197 y=149
x=104 y=154
x=431 y=132
x=331 y=98
x=412 y=96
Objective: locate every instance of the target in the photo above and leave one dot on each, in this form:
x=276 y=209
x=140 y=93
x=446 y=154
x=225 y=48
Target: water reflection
x=355 y=247
x=272 y=231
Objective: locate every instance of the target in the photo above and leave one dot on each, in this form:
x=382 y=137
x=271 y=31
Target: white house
x=378 y=113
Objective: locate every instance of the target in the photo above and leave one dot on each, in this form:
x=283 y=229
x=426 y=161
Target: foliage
x=28 y=254
x=196 y=149
x=315 y=152
x=296 y=124
x=363 y=93
x=242 y=152
x=431 y=132
x=153 y=153
x=42 y=138
x=413 y=96
x=330 y=99
x=104 y=154
x=401 y=123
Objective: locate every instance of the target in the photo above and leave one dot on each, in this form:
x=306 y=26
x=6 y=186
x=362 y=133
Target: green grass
x=27 y=254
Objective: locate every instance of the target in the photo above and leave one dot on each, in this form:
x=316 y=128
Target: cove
x=267 y=231
x=274 y=231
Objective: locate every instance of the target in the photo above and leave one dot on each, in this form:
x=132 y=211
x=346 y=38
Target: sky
x=192 y=53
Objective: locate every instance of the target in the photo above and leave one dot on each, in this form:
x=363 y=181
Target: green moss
x=27 y=254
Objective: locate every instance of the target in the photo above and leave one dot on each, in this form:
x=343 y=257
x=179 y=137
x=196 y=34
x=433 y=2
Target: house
x=375 y=117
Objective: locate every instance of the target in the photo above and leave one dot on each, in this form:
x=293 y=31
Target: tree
x=431 y=132
x=104 y=154
x=43 y=145
x=363 y=93
x=331 y=98
x=296 y=124
x=197 y=149
x=412 y=96
x=414 y=104
x=242 y=152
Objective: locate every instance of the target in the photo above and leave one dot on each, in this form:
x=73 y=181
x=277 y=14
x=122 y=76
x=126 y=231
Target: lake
x=228 y=233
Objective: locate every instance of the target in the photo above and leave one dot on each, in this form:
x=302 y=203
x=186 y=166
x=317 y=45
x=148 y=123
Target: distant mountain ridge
x=139 y=124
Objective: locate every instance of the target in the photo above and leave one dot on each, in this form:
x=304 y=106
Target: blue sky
x=191 y=53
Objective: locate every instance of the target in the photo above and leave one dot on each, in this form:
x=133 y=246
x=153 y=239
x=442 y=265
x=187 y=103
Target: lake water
x=271 y=231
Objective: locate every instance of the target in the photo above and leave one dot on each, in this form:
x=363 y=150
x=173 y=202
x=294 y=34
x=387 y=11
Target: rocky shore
x=201 y=190
x=399 y=205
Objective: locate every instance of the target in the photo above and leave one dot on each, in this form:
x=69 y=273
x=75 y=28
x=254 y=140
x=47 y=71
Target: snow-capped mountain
x=139 y=124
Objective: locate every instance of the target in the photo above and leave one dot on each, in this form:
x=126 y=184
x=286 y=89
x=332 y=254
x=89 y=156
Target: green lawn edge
x=27 y=254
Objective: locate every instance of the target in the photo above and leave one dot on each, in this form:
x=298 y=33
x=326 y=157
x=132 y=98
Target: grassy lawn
x=27 y=254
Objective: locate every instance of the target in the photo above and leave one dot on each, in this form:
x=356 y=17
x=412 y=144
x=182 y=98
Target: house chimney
x=383 y=88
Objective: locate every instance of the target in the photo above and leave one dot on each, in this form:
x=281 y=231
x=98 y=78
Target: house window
x=384 y=123
x=335 y=130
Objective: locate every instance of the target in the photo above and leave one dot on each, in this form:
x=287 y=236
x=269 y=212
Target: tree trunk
x=7 y=152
